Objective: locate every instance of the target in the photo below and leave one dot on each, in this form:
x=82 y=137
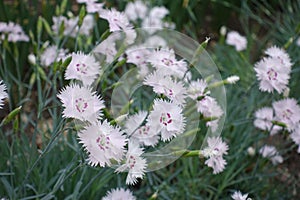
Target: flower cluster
x=13 y=32
x=104 y=143
x=122 y=143
x=273 y=72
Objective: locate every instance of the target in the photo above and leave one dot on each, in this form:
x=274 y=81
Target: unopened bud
x=223 y=30
x=251 y=151
x=32 y=59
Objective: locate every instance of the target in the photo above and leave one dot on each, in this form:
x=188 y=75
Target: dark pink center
x=81 y=67
x=272 y=74
x=103 y=142
x=81 y=105
x=165 y=119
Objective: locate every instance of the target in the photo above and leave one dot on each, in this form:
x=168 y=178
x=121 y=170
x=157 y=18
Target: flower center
x=81 y=105
x=167 y=61
x=169 y=92
x=131 y=162
x=103 y=142
x=144 y=130
x=82 y=68
x=210 y=152
x=272 y=74
x=165 y=119
x=287 y=114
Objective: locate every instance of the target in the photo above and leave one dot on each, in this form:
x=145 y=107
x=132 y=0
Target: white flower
x=281 y=54
x=13 y=31
x=107 y=48
x=165 y=62
x=87 y=25
x=136 y=10
x=152 y=24
x=271 y=152
x=137 y=55
x=167 y=118
x=103 y=143
x=119 y=194
x=3 y=93
x=214 y=152
x=143 y=134
x=134 y=163
x=161 y=84
x=288 y=112
x=236 y=40
x=272 y=75
x=210 y=109
x=83 y=68
x=92 y=6
x=197 y=89
x=81 y=103
x=296 y=136
x=158 y=12
x=52 y=54
x=237 y=195
x=133 y=122
x=117 y=20
x=70 y=25
x=155 y=41
x=263 y=120
x=154 y=20
x=130 y=36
